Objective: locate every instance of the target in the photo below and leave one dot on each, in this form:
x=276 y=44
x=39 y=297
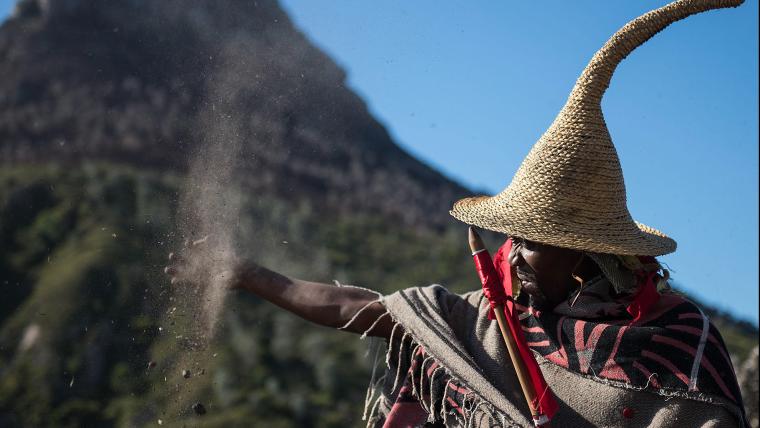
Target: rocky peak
x=150 y=82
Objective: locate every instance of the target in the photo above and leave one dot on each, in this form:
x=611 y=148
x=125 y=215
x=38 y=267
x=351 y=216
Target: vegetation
x=86 y=306
x=94 y=87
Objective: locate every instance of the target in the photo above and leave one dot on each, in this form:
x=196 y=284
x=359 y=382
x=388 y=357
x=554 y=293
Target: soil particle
x=199 y=409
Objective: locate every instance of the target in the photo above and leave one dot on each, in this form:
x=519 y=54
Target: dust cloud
x=208 y=221
x=211 y=204
x=210 y=209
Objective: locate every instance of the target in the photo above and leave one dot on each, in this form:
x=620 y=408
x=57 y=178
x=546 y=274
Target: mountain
x=149 y=82
x=110 y=113
x=115 y=116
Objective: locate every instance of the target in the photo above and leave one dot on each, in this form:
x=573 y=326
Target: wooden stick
x=476 y=244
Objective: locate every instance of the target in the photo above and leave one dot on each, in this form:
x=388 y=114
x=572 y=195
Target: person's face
x=545 y=272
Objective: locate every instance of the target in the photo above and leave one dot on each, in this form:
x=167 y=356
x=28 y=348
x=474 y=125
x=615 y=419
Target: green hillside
x=86 y=306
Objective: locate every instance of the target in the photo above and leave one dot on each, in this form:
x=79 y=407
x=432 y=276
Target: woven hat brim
x=621 y=236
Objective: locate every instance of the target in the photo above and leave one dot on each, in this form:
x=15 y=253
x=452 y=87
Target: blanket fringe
x=398 y=360
x=372 y=383
x=356 y=315
x=364 y=335
x=416 y=348
x=373 y=411
x=427 y=408
x=475 y=409
x=433 y=399
x=390 y=341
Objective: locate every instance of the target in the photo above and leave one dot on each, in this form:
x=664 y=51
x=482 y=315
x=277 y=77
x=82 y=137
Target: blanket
x=447 y=366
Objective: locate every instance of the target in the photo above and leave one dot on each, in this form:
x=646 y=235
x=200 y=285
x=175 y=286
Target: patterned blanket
x=673 y=348
x=447 y=365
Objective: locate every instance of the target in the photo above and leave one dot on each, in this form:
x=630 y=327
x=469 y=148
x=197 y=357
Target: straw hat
x=569 y=191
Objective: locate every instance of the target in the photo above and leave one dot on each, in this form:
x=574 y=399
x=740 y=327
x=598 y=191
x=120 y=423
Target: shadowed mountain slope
x=148 y=82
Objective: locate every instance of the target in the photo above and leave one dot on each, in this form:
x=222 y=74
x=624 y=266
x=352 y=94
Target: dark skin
x=323 y=304
x=545 y=273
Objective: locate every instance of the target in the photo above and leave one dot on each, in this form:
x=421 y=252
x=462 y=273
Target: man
x=615 y=346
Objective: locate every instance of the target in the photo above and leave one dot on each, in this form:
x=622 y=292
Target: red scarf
x=496 y=277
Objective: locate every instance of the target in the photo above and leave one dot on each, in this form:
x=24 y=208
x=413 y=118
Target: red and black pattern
x=670 y=349
x=660 y=352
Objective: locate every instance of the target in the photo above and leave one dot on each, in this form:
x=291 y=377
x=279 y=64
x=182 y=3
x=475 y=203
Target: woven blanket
x=447 y=366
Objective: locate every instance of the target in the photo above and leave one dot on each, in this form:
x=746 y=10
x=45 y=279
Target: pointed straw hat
x=569 y=190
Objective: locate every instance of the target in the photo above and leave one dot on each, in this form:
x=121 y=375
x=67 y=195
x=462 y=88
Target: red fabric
x=498 y=286
x=492 y=284
x=405 y=414
x=627 y=412
x=645 y=297
x=504 y=270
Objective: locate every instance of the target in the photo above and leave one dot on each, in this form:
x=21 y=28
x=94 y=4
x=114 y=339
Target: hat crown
x=573 y=168
x=569 y=191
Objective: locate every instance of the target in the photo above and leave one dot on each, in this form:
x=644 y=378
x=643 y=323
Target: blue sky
x=454 y=79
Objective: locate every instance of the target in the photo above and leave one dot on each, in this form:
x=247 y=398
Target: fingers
x=173 y=269
x=177 y=263
x=173 y=273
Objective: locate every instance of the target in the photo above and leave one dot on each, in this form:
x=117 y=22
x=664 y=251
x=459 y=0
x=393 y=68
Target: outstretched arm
x=324 y=304
x=355 y=309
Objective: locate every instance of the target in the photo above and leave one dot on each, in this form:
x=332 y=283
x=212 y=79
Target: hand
x=179 y=268
x=206 y=262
